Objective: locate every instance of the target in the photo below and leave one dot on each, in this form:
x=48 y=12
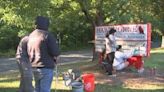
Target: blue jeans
x=43 y=79
x=26 y=75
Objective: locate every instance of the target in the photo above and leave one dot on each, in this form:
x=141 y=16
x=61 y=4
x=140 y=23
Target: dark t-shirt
x=42 y=48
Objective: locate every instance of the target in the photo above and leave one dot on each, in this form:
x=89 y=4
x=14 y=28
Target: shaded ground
x=128 y=78
x=9 y=64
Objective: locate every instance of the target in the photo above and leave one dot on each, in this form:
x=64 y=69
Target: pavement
x=9 y=64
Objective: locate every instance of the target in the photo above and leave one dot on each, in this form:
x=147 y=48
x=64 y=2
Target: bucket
x=89 y=84
x=135 y=61
x=77 y=86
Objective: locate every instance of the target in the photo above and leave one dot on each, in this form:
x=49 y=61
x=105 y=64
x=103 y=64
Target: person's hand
x=136 y=52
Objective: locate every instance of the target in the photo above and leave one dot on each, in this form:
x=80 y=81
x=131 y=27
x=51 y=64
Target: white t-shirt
x=121 y=57
x=110 y=44
x=107 y=46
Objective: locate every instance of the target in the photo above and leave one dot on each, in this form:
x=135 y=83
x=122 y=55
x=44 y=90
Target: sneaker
x=141 y=70
x=113 y=75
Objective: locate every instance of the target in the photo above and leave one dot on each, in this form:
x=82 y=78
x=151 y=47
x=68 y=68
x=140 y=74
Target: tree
x=157 y=20
x=65 y=17
x=76 y=20
x=108 y=12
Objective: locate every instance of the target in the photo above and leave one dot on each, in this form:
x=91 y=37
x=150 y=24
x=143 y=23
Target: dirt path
x=9 y=64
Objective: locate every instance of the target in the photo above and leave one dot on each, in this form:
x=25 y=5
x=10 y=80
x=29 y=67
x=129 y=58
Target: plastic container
x=77 y=86
x=135 y=61
x=89 y=85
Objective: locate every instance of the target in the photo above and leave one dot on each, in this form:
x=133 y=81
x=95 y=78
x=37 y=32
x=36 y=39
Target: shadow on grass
x=8 y=89
x=108 y=88
x=61 y=91
x=99 y=88
x=16 y=90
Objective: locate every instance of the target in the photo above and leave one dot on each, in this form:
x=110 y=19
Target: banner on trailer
x=130 y=36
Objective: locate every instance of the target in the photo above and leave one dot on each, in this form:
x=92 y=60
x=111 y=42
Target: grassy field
x=9 y=81
x=156 y=59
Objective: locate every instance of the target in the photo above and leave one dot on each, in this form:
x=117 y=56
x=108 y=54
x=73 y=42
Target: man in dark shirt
x=24 y=66
x=43 y=52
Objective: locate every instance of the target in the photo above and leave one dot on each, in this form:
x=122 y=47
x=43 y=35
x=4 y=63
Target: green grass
x=156 y=59
x=9 y=81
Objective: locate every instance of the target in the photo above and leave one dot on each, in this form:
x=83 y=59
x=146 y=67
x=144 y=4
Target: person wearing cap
x=24 y=67
x=110 y=47
x=43 y=52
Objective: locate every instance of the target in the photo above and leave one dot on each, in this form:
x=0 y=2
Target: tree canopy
x=75 y=20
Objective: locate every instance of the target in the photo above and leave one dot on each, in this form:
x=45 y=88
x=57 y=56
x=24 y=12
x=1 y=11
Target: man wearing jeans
x=24 y=66
x=43 y=52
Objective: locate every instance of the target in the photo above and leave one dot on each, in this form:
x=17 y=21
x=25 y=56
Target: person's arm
x=120 y=56
x=22 y=48
x=112 y=40
x=18 y=53
x=106 y=42
x=53 y=47
x=128 y=54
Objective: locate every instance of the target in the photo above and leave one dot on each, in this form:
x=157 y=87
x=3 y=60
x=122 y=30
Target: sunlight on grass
x=6 y=83
x=9 y=81
x=156 y=58
x=9 y=84
x=59 y=84
x=145 y=86
x=157 y=50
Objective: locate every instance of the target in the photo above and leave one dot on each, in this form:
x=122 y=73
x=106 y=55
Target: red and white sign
x=128 y=35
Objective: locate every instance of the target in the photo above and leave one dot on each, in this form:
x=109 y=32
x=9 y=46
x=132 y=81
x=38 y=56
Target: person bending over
x=123 y=60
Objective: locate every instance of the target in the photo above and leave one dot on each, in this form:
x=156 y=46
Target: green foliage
x=7 y=53
x=9 y=81
x=155 y=59
x=74 y=19
x=8 y=37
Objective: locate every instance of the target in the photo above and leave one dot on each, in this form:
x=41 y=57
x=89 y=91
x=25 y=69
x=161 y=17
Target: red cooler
x=89 y=85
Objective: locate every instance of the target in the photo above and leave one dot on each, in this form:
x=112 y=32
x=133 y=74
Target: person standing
x=110 y=46
x=43 y=52
x=24 y=66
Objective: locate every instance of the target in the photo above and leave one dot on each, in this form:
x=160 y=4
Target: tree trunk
x=162 y=44
x=97 y=20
